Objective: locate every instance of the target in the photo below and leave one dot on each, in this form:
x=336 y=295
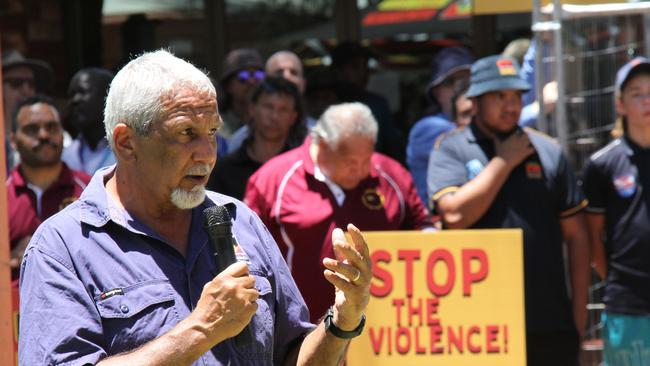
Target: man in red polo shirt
x=42 y=184
x=334 y=178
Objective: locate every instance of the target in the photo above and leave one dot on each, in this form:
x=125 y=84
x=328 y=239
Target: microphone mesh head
x=216 y=215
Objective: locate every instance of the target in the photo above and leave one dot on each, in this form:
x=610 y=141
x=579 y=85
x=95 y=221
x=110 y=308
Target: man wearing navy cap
x=450 y=74
x=494 y=174
x=614 y=182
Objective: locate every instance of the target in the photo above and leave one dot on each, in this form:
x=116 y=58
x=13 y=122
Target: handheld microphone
x=218 y=224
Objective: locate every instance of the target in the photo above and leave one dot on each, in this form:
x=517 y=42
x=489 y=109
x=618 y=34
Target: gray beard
x=185 y=199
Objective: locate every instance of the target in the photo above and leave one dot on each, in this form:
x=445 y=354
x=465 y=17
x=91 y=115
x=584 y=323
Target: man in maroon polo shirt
x=335 y=177
x=41 y=184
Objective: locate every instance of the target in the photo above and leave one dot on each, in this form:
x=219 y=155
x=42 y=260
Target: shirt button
x=124 y=308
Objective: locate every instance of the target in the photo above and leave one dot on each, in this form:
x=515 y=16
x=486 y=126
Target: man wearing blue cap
x=494 y=174
x=450 y=74
x=614 y=182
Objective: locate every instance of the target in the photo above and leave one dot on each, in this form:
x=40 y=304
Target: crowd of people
x=106 y=202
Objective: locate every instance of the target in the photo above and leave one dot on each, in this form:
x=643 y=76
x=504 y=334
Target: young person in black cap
x=614 y=182
x=450 y=73
x=494 y=174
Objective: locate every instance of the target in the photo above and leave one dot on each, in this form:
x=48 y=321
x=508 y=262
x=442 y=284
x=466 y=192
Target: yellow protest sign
x=446 y=298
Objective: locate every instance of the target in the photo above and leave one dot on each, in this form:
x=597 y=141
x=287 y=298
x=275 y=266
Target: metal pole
x=348 y=24
x=542 y=124
x=6 y=313
x=215 y=22
x=560 y=107
x=646 y=27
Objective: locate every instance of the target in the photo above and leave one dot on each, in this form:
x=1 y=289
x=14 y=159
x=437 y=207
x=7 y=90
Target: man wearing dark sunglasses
x=21 y=79
x=242 y=71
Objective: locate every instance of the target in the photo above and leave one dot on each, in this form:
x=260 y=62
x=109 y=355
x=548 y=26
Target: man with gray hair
x=334 y=177
x=125 y=275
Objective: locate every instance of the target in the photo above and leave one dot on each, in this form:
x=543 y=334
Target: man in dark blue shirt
x=615 y=181
x=493 y=174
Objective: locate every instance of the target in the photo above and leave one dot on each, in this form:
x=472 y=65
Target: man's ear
x=124 y=142
x=620 y=107
x=322 y=145
x=474 y=101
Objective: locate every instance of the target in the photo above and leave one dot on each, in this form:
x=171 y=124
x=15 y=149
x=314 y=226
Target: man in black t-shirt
x=493 y=174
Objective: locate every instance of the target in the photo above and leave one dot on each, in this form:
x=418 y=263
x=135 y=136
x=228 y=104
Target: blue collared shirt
x=422 y=137
x=96 y=281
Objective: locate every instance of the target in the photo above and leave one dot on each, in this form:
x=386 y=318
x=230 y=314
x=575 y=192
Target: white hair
x=343 y=120
x=135 y=95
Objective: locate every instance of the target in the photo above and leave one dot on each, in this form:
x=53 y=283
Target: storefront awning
x=482 y=7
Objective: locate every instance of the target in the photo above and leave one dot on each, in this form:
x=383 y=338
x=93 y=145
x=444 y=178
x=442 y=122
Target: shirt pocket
x=136 y=314
x=259 y=348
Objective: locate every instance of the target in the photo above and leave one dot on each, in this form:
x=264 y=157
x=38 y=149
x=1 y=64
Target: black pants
x=552 y=349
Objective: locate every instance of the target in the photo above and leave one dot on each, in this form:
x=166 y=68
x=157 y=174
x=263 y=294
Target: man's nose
x=206 y=150
x=43 y=133
x=511 y=104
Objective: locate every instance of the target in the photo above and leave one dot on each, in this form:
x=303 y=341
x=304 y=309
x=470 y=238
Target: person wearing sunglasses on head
x=242 y=71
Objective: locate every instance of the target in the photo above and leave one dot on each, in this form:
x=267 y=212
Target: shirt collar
x=308 y=164
x=65 y=177
x=474 y=133
x=337 y=191
x=97 y=208
x=632 y=147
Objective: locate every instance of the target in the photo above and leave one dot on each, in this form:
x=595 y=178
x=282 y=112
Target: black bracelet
x=338 y=332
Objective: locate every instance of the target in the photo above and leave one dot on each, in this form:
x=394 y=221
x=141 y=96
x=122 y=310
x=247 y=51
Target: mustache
x=45 y=143
x=202 y=169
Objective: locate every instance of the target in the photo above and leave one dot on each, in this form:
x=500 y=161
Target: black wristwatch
x=338 y=332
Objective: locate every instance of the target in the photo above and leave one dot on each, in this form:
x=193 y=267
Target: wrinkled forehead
x=187 y=99
x=187 y=95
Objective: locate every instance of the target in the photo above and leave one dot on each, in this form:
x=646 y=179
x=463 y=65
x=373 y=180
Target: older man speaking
x=125 y=275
